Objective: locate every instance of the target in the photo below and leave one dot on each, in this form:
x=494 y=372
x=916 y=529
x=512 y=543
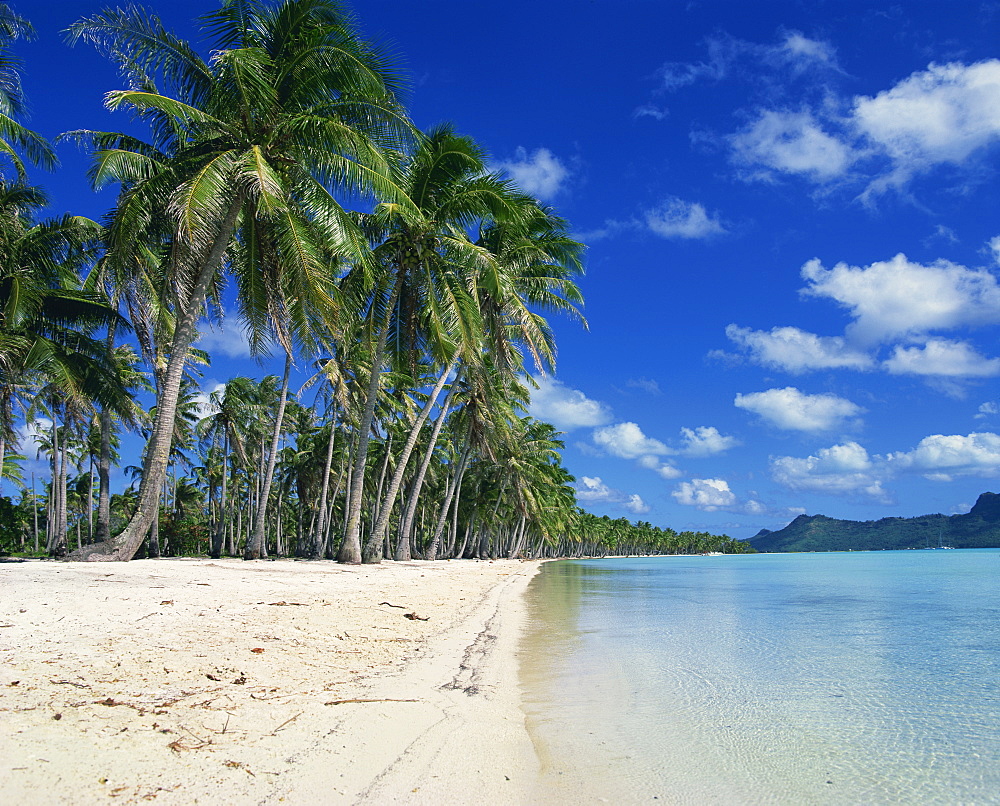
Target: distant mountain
x=980 y=528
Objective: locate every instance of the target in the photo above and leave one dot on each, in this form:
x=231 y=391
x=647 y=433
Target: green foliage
x=980 y=528
x=185 y=537
x=13 y=526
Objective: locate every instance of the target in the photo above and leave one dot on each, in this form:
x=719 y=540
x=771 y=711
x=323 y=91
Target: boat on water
x=940 y=546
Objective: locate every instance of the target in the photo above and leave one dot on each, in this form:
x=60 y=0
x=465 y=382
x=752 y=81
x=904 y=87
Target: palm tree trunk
x=318 y=534
x=255 y=546
x=218 y=536
x=125 y=545
x=403 y=543
x=431 y=553
x=104 y=480
x=378 y=531
x=350 y=549
x=34 y=509
x=373 y=552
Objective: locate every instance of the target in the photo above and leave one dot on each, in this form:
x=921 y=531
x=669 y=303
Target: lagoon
x=865 y=677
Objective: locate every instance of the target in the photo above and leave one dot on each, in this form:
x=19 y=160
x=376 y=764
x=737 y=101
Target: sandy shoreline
x=198 y=681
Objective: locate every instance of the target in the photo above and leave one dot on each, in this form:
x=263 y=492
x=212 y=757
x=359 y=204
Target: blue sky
x=792 y=219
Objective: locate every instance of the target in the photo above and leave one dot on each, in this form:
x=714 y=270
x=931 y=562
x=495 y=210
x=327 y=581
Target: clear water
x=790 y=679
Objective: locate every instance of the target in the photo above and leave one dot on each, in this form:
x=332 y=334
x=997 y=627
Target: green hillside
x=980 y=528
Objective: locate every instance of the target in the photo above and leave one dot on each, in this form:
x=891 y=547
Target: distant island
x=978 y=529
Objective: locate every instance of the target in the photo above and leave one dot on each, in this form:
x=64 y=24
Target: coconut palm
x=292 y=108
x=14 y=137
x=233 y=409
x=45 y=317
x=418 y=303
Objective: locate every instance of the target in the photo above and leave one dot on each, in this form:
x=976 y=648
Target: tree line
x=412 y=283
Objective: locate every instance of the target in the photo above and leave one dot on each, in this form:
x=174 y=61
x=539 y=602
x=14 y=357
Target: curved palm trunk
x=350 y=549
x=156 y=458
x=255 y=546
x=378 y=532
x=403 y=542
x=219 y=535
x=456 y=482
x=103 y=530
x=319 y=533
x=373 y=551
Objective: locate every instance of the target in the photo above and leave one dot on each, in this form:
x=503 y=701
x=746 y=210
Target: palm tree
x=14 y=136
x=234 y=408
x=292 y=108
x=45 y=317
x=418 y=301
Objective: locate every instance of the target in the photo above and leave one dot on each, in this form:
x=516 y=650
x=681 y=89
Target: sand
x=220 y=681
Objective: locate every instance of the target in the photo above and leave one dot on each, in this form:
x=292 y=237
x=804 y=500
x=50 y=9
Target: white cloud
x=676 y=218
x=792 y=142
x=541 y=174
x=987 y=409
x=942 y=358
x=627 y=441
x=800 y=48
x=705 y=441
x=708 y=495
x=30 y=436
x=646 y=384
x=796 y=351
x=227 y=337
x=839 y=470
x=566 y=408
x=893 y=298
x=651 y=111
x=943 y=115
x=725 y=53
x=204 y=405
x=941 y=457
x=636 y=505
x=593 y=490
x=664 y=469
x=940 y=115
x=790 y=409
x=994 y=247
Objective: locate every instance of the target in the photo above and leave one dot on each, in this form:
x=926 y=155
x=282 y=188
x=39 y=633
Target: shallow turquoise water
x=867 y=677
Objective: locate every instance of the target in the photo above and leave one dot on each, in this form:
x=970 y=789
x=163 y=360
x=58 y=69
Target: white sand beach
x=219 y=681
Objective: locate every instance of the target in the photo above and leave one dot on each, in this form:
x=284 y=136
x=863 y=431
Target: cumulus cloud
x=791 y=142
x=946 y=114
x=839 y=470
x=663 y=469
x=592 y=490
x=940 y=115
x=566 y=408
x=708 y=495
x=705 y=441
x=227 y=337
x=540 y=174
x=798 y=351
x=793 y=410
x=941 y=457
x=627 y=441
x=942 y=358
x=676 y=218
x=896 y=297
x=848 y=469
